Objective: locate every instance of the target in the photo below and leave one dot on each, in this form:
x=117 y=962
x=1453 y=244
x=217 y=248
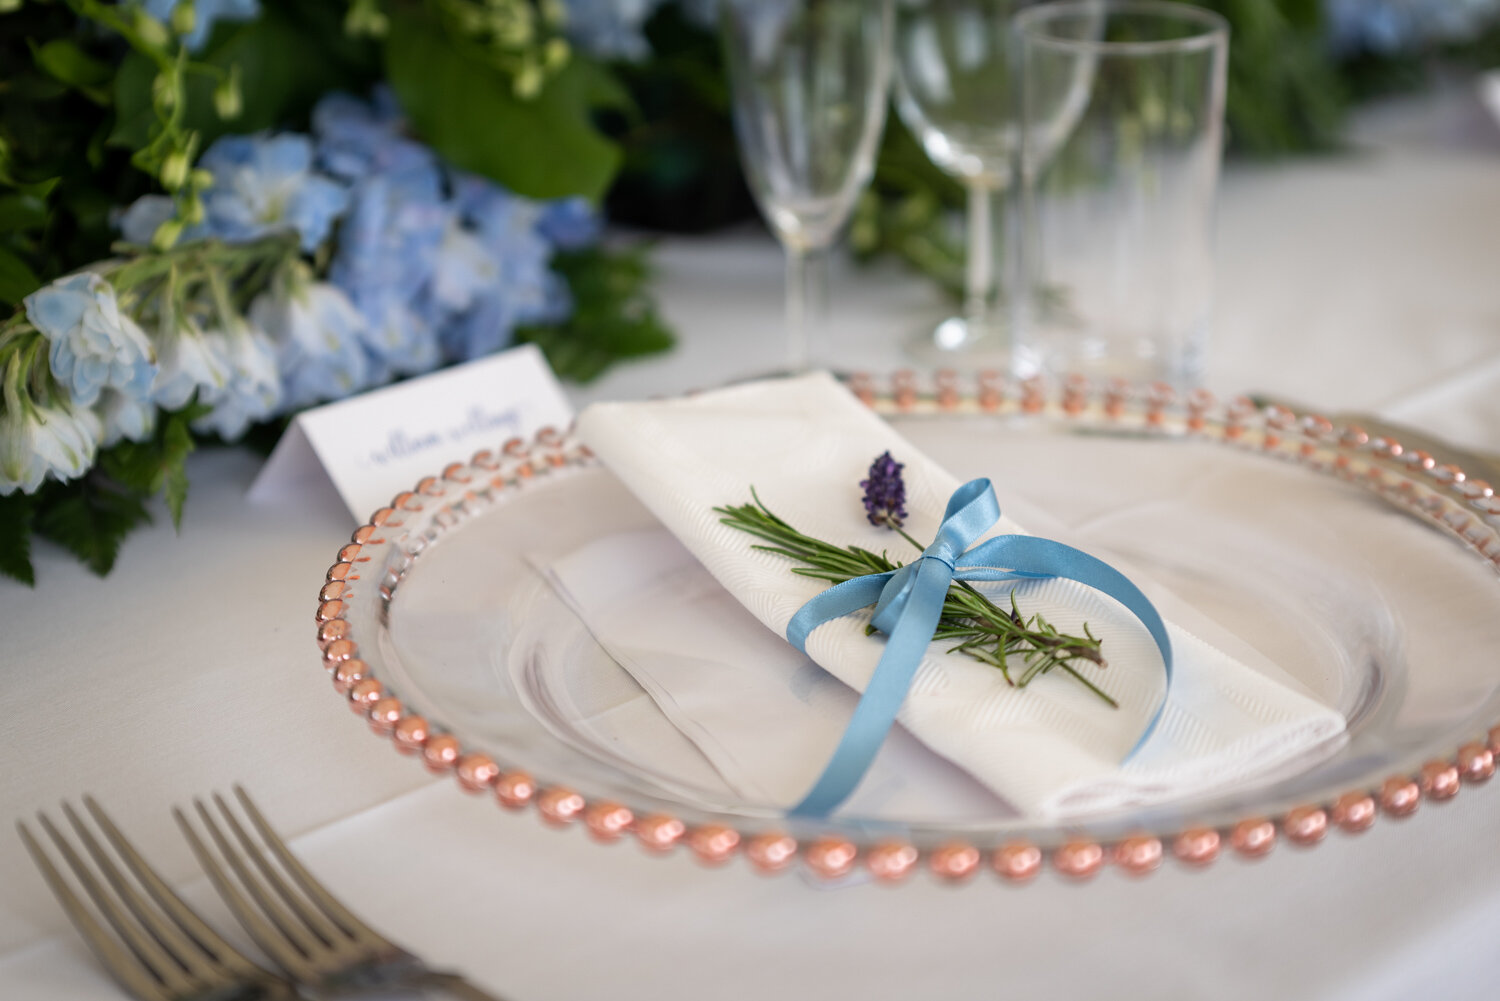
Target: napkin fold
x=1050 y=750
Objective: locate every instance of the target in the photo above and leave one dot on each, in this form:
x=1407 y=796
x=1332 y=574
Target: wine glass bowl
x=809 y=83
x=955 y=86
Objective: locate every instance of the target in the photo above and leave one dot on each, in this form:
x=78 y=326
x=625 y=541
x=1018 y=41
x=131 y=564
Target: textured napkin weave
x=1051 y=749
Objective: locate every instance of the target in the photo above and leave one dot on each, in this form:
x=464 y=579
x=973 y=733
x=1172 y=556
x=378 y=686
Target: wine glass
x=809 y=81
x=955 y=90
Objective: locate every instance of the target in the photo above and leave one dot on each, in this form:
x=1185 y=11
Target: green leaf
x=545 y=147
x=90 y=520
x=613 y=319
x=17 y=280
x=22 y=212
x=16 y=514
x=157 y=465
x=65 y=61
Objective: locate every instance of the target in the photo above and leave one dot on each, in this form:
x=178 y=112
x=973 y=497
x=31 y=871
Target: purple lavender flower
x=885 y=493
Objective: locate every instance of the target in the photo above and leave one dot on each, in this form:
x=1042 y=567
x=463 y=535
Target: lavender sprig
x=885 y=493
x=985 y=632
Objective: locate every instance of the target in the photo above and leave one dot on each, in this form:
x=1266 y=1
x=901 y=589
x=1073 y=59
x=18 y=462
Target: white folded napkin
x=1050 y=750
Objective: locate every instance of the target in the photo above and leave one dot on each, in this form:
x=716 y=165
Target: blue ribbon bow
x=908 y=603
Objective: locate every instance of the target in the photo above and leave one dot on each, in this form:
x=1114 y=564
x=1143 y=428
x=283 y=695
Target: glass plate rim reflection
x=361 y=587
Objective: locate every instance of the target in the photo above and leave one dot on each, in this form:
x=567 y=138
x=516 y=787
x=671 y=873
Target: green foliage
x=156 y=466
x=614 y=317
x=285 y=60
x=89 y=518
x=1285 y=94
x=681 y=170
x=17 y=511
x=544 y=146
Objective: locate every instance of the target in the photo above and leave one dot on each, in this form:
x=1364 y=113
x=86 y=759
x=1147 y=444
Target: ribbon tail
x=883 y=695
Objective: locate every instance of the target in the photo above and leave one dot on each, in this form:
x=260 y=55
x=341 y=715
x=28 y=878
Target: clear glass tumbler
x=1122 y=134
x=810 y=82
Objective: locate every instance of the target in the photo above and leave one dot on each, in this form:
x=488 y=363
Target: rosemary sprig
x=982 y=630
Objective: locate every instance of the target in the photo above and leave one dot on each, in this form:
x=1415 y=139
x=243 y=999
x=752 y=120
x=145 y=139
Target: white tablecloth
x=1370 y=280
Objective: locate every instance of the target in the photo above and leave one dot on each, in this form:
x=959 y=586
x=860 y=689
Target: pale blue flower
x=125 y=417
x=42 y=440
x=206 y=13
x=263 y=184
x=611 y=29
x=464 y=269
x=357 y=138
x=319 y=338
x=401 y=340
x=92 y=344
x=1389 y=27
x=253 y=390
x=570 y=223
x=514 y=286
x=190 y=363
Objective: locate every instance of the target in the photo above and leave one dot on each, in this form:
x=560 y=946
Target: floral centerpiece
x=214 y=213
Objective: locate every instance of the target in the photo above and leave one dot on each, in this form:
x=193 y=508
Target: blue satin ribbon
x=908 y=603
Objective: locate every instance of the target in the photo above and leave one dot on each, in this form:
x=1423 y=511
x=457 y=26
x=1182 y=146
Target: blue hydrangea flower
x=508 y=282
x=611 y=29
x=570 y=223
x=358 y=138
x=319 y=338
x=387 y=255
x=206 y=14
x=264 y=183
x=93 y=344
x=190 y=363
x=253 y=390
x=41 y=440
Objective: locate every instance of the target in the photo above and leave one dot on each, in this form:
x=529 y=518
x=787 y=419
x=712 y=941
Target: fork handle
x=456 y=986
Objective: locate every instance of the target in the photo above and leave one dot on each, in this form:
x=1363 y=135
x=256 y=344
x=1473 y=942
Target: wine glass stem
x=806 y=302
x=981 y=282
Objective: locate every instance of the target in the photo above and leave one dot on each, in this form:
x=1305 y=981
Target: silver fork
x=315 y=939
x=161 y=949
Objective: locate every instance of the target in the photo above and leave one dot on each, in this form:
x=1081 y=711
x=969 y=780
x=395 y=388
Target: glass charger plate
x=1365 y=572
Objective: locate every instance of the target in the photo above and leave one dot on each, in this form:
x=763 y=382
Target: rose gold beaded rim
x=1440 y=494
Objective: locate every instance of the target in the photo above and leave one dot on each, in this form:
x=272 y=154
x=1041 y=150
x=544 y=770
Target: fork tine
x=194 y=927
x=327 y=901
x=122 y=963
x=282 y=950
x=316 y=922
x=172 y=974
x=177 y=945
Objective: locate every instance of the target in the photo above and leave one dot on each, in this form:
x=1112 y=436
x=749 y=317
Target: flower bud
x=556 y=53
x=227 y=100
x=152 y=31
x=164 y=91
x=184 y=17
x=528 y=82
x=192 y=211
x=166 y=234
x=201 y=178
x=174 y=170
x=6 y=6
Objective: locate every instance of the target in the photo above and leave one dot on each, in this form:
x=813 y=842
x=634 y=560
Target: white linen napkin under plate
x=1051 y=749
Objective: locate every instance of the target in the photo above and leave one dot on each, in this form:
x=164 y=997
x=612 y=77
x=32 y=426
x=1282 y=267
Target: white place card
x=375 y=445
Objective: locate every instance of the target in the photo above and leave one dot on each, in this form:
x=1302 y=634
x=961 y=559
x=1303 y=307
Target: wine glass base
x=959 y=342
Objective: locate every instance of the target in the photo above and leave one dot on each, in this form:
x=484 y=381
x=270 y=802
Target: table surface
x=1368 y=280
